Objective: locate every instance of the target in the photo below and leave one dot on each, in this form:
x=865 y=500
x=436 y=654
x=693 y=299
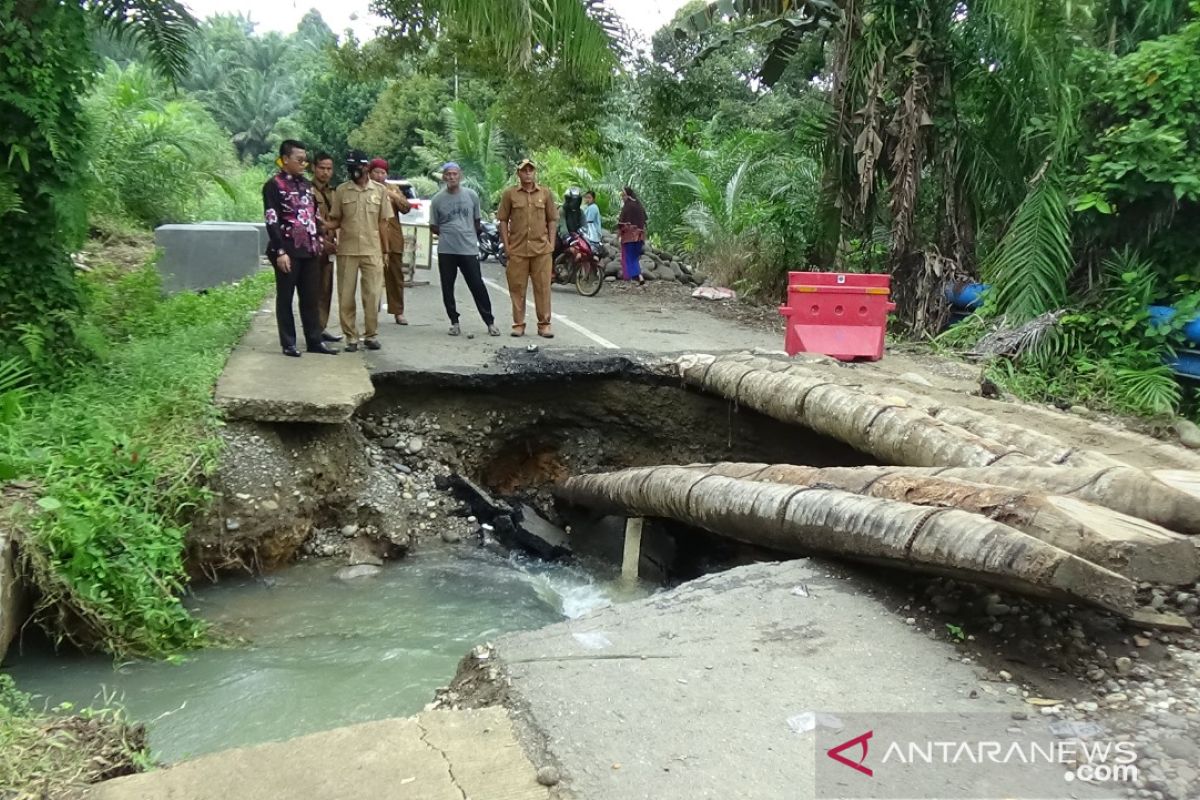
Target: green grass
x=51 y=754
x=115 y=454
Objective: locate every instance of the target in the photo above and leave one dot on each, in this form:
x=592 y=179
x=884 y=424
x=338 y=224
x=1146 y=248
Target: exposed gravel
x=1104 y=679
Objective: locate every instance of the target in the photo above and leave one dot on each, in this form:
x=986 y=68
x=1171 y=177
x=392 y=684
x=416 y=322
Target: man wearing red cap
x=360 y=211
x=393 y=256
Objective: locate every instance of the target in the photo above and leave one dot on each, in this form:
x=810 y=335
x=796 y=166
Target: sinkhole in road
x=518 y=438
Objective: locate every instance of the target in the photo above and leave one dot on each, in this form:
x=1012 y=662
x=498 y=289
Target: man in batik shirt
x=295 y=231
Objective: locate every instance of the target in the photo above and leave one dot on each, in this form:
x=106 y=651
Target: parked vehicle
x=577 y=262
x=490 y=243
x=419 y=213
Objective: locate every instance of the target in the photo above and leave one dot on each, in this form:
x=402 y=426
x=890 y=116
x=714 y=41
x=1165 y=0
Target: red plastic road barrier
x=843 y=315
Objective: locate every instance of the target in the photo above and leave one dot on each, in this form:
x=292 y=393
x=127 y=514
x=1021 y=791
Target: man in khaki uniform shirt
x=393 y=254
x=360 y=211
x=322 y=175
x=527 y=220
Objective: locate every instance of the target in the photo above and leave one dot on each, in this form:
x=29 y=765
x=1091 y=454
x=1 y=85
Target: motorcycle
x=490 y=244
x=577 y=262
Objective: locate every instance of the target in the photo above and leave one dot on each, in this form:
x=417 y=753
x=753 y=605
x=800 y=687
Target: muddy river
x=317 y=652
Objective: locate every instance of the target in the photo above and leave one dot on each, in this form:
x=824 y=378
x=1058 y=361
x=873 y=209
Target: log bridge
x=965 y=495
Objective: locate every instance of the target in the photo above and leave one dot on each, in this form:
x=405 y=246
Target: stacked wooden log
x=967 y=495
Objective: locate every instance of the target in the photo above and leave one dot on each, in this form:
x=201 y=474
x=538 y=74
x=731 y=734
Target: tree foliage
x=42 y=127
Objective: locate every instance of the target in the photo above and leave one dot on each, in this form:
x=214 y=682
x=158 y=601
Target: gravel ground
x=1100 y=677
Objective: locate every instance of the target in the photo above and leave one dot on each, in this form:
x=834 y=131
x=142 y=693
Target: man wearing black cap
x=527 y=218
x=360 y=211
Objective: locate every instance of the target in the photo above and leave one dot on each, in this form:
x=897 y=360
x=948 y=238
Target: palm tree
x=476 y=145
x=42 y=124
x=580 y=34
x=249 y=105
x=978 y=99
x=163 y=27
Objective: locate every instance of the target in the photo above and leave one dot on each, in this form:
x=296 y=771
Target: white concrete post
x=633 y=548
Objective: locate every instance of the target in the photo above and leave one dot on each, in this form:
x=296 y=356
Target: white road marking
x=595 y=337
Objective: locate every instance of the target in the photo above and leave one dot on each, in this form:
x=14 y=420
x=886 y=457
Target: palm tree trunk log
x=1039 y=446
x=893 y=432
x=890 y=423
x=1133 y=547
x=802 y=520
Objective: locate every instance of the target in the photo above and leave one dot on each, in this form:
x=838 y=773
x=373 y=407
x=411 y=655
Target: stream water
x=321 y=652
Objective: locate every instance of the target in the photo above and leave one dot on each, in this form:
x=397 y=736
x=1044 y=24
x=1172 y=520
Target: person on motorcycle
x=571 y=219
x=591 y=220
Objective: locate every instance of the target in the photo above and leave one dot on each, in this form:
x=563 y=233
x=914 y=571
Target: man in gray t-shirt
x=454 y=218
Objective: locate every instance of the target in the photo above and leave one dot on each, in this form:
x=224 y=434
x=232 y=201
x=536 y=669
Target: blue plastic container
x=1162 y=315
x=967 y=296
x=1186 y=364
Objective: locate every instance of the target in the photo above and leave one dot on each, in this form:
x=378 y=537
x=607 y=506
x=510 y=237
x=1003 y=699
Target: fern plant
x=1030 y=267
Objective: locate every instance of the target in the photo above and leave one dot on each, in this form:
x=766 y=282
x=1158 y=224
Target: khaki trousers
x=348 y=270
x=325 y=299
x=520 y=271
x=393 y=279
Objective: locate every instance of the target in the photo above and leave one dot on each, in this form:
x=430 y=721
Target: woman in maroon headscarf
x=631 y=227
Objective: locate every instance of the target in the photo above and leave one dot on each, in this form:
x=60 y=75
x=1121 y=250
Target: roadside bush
x=1107 y=354
x=115 y=459
x=154 y=153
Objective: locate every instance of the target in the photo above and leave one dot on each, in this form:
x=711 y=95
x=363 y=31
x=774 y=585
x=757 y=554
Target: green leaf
x=49 y=503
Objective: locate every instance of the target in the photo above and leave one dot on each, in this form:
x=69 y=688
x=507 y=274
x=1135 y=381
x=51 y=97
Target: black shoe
x=371 y=344
x=323 y=350
x=330 y=337
x=291 y=351
x=352 y=347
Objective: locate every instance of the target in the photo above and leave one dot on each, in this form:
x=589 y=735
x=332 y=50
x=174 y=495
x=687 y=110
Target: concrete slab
x=260 y=383
x=259 y=227
x=202 y=256
x=701 y=692
x=438 y=755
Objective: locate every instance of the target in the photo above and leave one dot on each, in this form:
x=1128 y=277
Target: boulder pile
x=657 y=265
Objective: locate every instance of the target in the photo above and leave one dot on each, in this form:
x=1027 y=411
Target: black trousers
x=449 y=265
x=304 y=279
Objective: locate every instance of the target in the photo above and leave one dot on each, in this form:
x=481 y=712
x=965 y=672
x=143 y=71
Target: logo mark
x=858 y=741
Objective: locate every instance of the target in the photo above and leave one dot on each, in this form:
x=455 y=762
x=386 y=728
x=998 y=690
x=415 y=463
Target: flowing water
x=320 y=652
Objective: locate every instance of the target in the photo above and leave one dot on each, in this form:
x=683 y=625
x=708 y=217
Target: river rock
x=1189 y=433
x=1179 y=747
x=357 y=571
x=547 y=776
x=451 y=536
x=415 y=445
x=364 y=551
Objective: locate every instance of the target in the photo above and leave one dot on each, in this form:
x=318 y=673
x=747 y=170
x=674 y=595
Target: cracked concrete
x=260 y=383
x=446 y=758
x=437 y=755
